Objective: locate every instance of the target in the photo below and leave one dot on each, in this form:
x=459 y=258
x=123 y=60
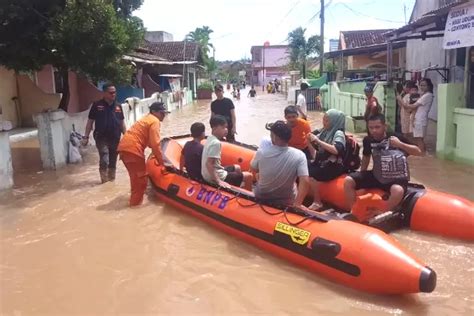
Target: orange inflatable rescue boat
x=346 y=252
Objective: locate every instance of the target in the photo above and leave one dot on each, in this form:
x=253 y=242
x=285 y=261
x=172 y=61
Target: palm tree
x=301 y=49
x=201 y=35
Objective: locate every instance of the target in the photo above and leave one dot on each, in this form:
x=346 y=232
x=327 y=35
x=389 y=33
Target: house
x=363 y=53
x=22 y=95
x=269 y=62
x=167 y=65
x=431 y=52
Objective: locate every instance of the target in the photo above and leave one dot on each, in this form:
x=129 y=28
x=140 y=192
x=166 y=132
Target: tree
x=85 y=36
x=201 y=35
x=301 y=49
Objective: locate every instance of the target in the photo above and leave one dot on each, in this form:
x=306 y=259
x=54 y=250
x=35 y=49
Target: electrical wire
x=366 y=15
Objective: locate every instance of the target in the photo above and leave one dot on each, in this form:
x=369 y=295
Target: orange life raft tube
x=352 y=254
x=422 y=209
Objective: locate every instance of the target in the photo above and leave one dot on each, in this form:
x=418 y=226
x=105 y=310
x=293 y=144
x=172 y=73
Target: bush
x=206 y=86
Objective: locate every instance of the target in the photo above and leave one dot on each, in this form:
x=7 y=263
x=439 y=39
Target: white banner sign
x=459 y=30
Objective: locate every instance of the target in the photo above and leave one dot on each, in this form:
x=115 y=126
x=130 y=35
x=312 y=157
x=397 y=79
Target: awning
x=431 y=24
x=363 y=50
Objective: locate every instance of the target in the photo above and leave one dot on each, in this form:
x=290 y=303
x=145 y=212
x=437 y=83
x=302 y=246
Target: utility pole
x=405 y=11
x=321 y=63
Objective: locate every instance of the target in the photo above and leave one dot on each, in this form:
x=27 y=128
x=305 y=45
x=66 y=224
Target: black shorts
x=325 y=171
x=233 y=177
x=367 y=180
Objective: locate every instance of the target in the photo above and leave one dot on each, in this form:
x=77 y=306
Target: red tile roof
x=355 y=39
x=173 y=50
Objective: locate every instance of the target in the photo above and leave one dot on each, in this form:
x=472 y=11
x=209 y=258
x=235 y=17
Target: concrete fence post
x=53 y=145
x=6 y=169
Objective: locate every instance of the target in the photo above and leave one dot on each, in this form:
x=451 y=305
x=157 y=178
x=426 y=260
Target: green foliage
x=206 y=85
x=124 y=8
x=24 y=41
x=201 y=35
x=301 y=49
x=86 y=36
x=312 y=74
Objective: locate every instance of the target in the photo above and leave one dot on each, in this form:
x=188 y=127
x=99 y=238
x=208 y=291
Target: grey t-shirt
x=278 y=169
x=212 y=149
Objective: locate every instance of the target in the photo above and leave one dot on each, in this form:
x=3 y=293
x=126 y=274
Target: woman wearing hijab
x=327 y=150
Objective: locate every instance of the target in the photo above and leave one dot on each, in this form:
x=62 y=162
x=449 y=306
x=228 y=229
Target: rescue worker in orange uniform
x=144 y=133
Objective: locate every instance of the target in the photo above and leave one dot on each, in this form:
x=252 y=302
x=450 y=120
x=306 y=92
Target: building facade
x=269 y=63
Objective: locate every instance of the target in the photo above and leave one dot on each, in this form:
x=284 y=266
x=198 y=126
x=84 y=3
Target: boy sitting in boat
x=299 y=130
x=191 y=155
x=390 y=172
x=211 y=167
x=278 y=166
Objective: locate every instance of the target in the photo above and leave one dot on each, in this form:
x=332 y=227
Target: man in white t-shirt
x=211 y=167
x=301 y=101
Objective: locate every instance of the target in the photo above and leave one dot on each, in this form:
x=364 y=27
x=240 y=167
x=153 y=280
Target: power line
x=285 y=16
x=366 y=15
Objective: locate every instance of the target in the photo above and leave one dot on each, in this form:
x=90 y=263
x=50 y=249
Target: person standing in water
x=252 y=93
x=144 y=133
x=225 y=107
x=107 y=116
x=301 y=101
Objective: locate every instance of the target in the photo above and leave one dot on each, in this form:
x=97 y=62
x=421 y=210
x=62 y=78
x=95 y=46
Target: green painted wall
x=455 y=124
x=353 y=104
x=352 y=87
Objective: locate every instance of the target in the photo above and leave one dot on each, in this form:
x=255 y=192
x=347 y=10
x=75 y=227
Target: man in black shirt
x=252 y=93
x=365 y=179
x=225 y=107
x=109 y=124
x=191 y=154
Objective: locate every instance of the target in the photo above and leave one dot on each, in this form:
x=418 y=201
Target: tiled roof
x=355 y=39
x=173 y=50
x=146 y=54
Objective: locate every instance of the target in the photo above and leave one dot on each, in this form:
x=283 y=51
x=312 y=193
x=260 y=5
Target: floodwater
x=71 y=246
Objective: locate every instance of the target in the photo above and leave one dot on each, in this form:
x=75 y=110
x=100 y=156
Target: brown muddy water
x=70 y=246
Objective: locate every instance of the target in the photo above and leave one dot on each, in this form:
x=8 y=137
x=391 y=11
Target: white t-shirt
x=425 y=102
x=301 y=103
x=212 y=149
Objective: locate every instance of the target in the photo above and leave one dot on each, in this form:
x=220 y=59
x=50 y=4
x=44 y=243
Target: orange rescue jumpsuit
x=144 y=133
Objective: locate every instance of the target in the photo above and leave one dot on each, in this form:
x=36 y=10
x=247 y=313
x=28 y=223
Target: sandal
x=315 y=206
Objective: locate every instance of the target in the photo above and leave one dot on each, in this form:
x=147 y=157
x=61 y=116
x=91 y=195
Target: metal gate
x=311 y=94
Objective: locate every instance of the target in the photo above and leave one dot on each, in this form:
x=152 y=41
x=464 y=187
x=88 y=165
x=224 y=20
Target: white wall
x=424 y=54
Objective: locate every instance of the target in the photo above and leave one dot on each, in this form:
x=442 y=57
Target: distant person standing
x=144 y=133
x=422 y=107
x=107 y=116
x=372 y=107
x=225 y=107
x=252 y=93
x=301 y=101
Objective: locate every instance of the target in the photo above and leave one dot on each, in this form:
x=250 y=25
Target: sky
x=238 y=25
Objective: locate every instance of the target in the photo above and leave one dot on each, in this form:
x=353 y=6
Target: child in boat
x=211 y=167
x=192 y=152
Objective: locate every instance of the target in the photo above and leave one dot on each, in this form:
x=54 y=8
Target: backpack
x=390 y=164
x=351 y=159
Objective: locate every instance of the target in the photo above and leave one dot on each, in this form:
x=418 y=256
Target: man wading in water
x=109 y=124
x=225 y=107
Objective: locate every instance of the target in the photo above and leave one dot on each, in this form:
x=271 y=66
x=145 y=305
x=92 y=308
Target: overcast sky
x=240 y=24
